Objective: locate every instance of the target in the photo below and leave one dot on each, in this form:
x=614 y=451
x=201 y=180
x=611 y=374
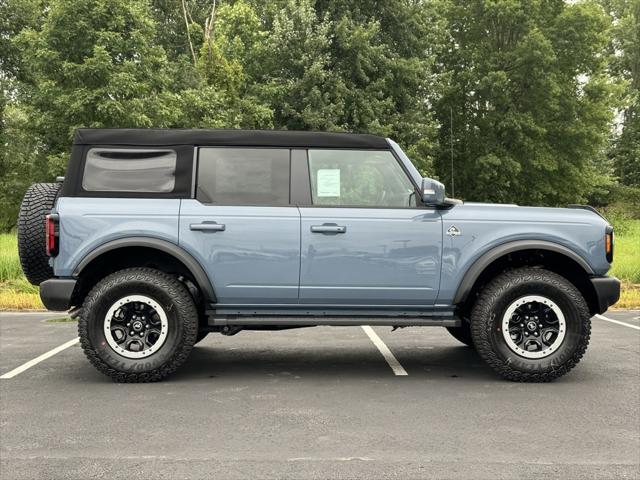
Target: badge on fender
x=453 y=231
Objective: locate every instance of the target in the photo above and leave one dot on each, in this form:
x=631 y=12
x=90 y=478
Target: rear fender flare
x=199 y=275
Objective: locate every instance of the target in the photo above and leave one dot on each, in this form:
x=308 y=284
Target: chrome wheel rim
x=533 y=326
x=136 y=326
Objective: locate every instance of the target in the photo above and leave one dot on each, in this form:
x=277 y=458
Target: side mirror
x=432 y=192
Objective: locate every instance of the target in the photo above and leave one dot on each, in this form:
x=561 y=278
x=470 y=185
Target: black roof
x=253 y=138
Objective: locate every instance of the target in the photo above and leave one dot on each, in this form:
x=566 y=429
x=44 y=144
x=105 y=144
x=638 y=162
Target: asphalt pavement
x=323 y=402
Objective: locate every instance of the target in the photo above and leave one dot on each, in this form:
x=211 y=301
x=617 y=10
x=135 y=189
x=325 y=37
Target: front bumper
x=56 y=293
x=607 y=292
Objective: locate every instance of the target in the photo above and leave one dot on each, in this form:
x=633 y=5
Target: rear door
x=364 y=240
x=241 y=226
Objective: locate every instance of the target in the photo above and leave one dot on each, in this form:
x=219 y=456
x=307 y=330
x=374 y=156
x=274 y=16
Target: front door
x=364 y=241
x=241 y=227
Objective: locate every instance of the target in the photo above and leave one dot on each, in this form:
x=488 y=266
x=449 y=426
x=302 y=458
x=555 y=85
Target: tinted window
x=123 y=170
x=243 y=176
x=358 y=178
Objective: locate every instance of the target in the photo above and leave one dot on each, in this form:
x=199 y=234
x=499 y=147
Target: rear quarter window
x=130 y=170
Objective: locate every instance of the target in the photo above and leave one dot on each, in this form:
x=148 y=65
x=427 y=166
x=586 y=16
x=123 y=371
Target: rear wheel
x=138 y=325
x=531 y=325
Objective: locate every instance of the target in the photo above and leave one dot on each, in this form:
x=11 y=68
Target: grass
x=626 y=255
x=626 y=264
x=629 y=296
x=16 y=293
x=9 y=262
x=17 y=296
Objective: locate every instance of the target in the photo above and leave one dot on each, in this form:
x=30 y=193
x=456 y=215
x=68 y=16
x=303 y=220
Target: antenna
x=453 y=187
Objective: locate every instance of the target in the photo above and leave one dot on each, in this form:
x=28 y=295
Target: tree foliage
x=624 y=51
x=529 y=100
x=531 y=87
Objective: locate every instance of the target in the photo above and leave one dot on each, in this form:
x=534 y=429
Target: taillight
x=51 y=234
x=608 y=243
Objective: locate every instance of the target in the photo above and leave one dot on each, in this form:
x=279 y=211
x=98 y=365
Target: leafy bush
x=620 y=218
x=622 y=207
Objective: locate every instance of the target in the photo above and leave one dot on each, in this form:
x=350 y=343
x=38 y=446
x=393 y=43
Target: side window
x=129 y=170
x=359 y=178
x=243 y=176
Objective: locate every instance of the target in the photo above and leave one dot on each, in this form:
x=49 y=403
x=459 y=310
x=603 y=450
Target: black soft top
x=251 y=138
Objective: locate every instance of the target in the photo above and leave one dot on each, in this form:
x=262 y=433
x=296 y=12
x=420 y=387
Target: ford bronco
x=155 y=238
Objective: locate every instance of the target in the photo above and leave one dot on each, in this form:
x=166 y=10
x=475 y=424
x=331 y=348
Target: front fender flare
x=489 y=257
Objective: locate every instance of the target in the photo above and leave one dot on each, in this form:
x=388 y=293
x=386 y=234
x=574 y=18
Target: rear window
x=243 y=176
x=130 y=170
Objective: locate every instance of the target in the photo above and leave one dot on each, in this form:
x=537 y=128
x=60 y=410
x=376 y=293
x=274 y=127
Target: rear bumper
x=607 y=292
x=56 y=293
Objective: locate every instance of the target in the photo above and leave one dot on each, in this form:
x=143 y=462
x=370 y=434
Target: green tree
x=530 y=86
x=624 y=51
x=222 y=95
x=526 y=89
x=19 y=164
x=93 y=64
x=352 y=66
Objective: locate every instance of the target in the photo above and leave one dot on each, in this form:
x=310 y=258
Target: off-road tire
x=181 y=312
x=486 y=318
x=36 y=204
x=462 y=333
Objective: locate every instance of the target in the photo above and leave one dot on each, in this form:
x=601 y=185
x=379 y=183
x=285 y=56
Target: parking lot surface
x=322 y=402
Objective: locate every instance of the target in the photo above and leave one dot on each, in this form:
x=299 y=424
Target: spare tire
x=36 y=204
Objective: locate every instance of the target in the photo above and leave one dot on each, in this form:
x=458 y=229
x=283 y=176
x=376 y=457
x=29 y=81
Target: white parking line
x=37 y=360
x=384 y=350
x=635 y=327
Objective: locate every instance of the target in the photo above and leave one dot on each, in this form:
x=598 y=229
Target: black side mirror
x=432 y=192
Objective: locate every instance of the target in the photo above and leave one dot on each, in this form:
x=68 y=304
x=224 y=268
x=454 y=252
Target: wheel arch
x=162 y=248
x=549 y=255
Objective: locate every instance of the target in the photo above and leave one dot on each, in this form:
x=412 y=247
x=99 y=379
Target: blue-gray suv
x=154 y=238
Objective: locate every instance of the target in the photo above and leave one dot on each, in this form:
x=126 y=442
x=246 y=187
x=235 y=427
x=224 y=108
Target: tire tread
x=37 y=202
x=481 y=321
x=183 y=301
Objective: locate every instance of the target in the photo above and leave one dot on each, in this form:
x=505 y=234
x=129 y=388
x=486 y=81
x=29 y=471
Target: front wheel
x=530 y=325
x=138 y=325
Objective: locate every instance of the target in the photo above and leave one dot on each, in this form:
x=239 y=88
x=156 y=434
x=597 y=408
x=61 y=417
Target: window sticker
x=329 y=182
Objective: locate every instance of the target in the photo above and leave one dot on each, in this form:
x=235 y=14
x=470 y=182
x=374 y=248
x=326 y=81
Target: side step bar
x=335 y=321
x=311 y=315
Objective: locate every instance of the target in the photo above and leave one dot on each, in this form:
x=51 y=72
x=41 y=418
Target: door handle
x=328 y=228
x=208 y=227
